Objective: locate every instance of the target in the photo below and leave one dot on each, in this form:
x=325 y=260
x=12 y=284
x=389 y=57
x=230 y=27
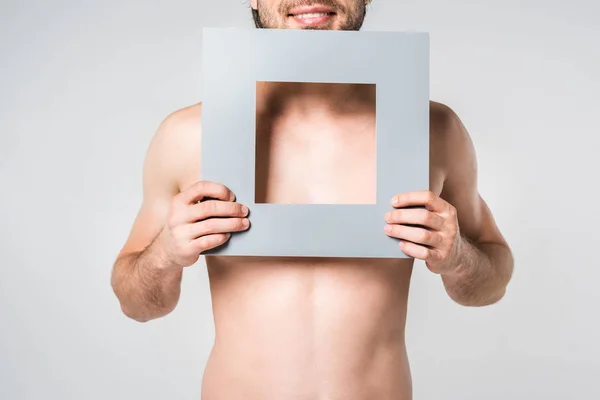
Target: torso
x=311 y=328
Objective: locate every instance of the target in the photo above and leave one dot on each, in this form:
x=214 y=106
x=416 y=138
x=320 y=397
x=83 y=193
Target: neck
x=307 y=97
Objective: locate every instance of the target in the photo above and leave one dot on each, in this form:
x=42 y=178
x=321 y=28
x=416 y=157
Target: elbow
x=492 y=291
x=141 y=314
x=499 y=292
x=140 y=306
x=143 y=317
x=137 y=317
x=126 y=309
x=483 y=300
x=490 y=300
x=130 y=312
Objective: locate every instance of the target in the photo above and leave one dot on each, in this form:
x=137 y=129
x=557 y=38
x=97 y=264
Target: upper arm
x=453 y=144
x=171 y=155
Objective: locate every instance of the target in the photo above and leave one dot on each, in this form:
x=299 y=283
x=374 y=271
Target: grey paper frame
x=397 y=62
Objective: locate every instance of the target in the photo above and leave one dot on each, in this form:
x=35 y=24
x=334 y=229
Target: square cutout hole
x=315 y=143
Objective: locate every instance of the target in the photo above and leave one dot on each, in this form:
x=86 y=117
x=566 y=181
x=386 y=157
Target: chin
x=332 y=26
x=319 y=28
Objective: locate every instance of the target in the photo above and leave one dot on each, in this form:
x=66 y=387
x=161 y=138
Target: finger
x=204 y=189
x=215 y=208
x=415 y=216
x=415 y=250
x=218 y=225
x=209 y=242
x=413 y=234
x=424 y=198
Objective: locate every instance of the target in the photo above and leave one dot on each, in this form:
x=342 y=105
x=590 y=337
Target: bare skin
x=309 y=328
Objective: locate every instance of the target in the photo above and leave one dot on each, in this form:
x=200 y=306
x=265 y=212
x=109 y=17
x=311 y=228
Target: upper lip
x=310 y=10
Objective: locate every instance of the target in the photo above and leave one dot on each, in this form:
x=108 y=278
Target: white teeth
x=311 y=15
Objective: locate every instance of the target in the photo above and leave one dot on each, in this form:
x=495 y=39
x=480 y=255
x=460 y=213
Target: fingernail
x=388 y=228
x=394 y=199
x=244 y=210
x=245 y=223
x=388 y=216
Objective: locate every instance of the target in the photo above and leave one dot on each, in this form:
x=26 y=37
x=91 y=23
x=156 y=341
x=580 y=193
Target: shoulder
x=446 y=127
x=182 y=124
x=443 y=120
x=451 y=145
x=174 y=151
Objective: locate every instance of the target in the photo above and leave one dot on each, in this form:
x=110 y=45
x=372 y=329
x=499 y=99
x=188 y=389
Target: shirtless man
x=309 y=328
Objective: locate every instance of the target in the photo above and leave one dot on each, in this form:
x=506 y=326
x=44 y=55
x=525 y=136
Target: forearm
x=147 y=286
x=482 y=272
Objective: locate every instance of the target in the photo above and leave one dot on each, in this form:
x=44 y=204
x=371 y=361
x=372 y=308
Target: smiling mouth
x=312 y=15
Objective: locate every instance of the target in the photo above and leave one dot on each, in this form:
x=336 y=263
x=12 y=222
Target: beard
x=265 y=18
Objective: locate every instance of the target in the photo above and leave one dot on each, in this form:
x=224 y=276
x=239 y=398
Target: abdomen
x=308 y=328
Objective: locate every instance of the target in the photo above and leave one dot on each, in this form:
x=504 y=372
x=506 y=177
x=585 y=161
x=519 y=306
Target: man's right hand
x=202 y=217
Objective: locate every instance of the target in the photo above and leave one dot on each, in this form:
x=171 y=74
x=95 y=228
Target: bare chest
x=316 y=162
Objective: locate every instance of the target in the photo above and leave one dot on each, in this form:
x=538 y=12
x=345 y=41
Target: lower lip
x=313 y=21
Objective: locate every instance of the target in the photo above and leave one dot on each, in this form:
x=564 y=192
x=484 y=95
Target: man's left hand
x=430 y=234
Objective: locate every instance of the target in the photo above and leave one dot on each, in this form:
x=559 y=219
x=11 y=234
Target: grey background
x=398 y=63
x=84 y=85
